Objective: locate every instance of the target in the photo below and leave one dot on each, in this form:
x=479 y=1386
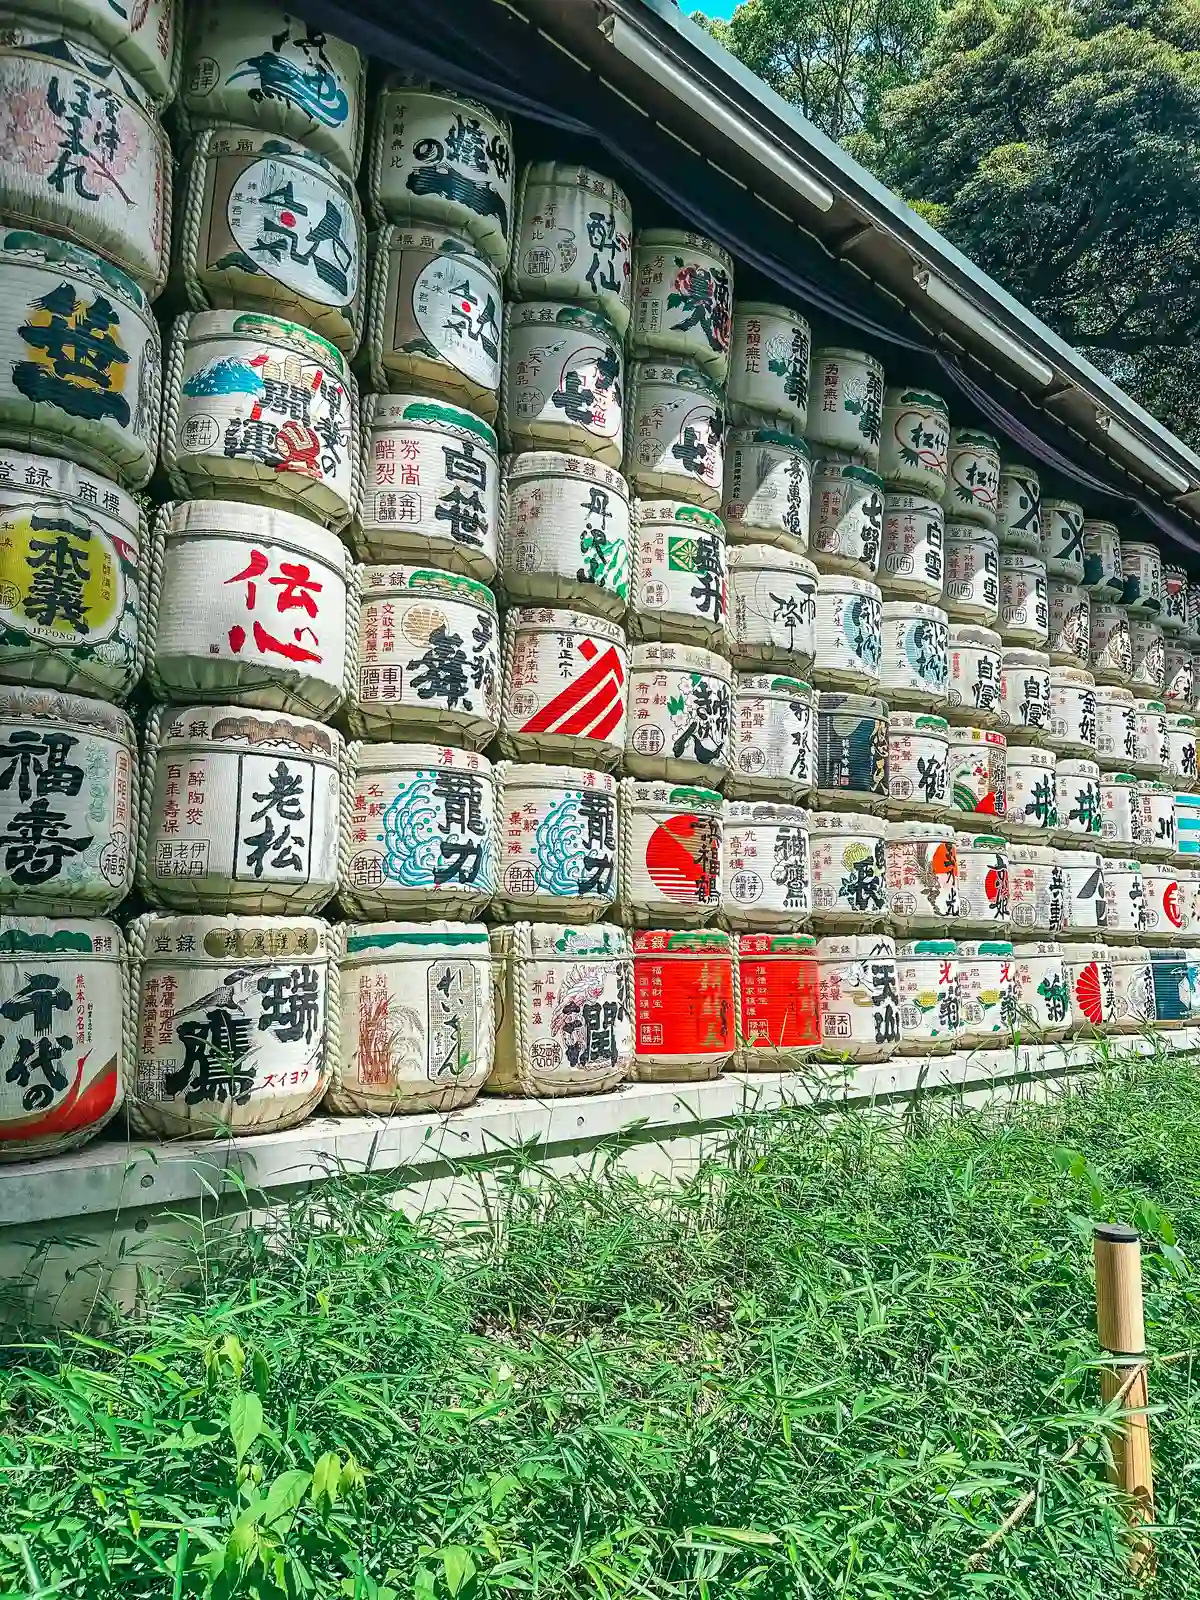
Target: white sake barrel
x=101 y=410
x=973 y=685
x=914 y=444
x=1178 y=673
x=1102 y=561
x=1167 y=905
x=1149 y=673
x=1079 y=811
x=986 y=993
x=247 y=604
x=416 y=1022
x=1187 y=825
x=1072 y=730
x=852 y=751
x=270 y=226
x=978 y=767
x=918 y=764
x=1040 y=996
x=914 y=665
x=1110 y=649
x=1116 y=727
x=565 y=688
x=928 y=988
x=563 y=381
x=774 y=738
x=1031 y=792
x=261 y=410
x=971 y=591
x=1036 y=892
x=849 y=869
x=1192 y=632
x=848 y=632
x=765 y=868
x=1083 y=890
x=1019 y=508
x=860 y=1003
x=779 y=995
x=431 y=486
x=443 y=159
x=911 y=561
x=680 y=714
x=1024 y=712
x=239 y=811
x=1090 y=986
x=565 y=535
x=85 y=156
x=1151 y=749
x=973 y=477
x=418 y=832
x=680 y=588
x=144 y=40
x=1024 y=618
x=1133 y=988
x=845 y=403
x=1124 y=899
x=685 y=988
x=68 y=803
x=674 y=439
x=428 y=658
x=71 y=596
x=1156 y=819
x=1070 y=624
x=767 y=489
x=671 y=855
x=922 y=876
x=1062 y=540
x=434 y=319
x=564 y=1010
x=1142 y=571
x=1181 y=745
x=1120 y=822
x=845 y=532
x=574 y=240
x=1189 y=888
x=236 y=1022
x=557 y=842
x=769 y=360
x=1174 y=989
x=263 y=68
x=983 y=883
x=1173 y=616
x=772 y=608
x=682 y=300
x=66 y=1050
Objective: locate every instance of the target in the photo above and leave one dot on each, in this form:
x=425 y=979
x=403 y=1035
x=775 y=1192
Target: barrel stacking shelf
x=452 y=644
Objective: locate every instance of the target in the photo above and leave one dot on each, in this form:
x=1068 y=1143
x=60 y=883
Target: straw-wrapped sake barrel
x=978 y=771
x=1070 y=624
x=235 y=1021
x=918 y=764
x=973 y=478
x=680 y=714
x=431 y=486
x=428 y=662
x=563 y=385
x=1062 y=540
x=849 y=870
x=417 y=1027
x=247 y=604
x=682 y=299
x=922 y=877
x=143 y=39
x=557 y=842
x=769 y=366
x=68 y=800
x=679 y=587
x=973 y=680
x=852 y=750
x=1090 y=986
x=774 y=738
x=565 y=536
x=418 y=832
x=1040 y=998
x=986 y=1000
x=103 y=410
x=84 y=155
x=846 y=522
x=1133 y=988
x=685 y=1002
x=772 y=608
x=1024 y=713
x=1019 y=508
x=565 y=688
x=574 y=239
x=674 y=444
x=1120 y=822
x=1110 y=646
x=915 y=442
x=912 y=554
x=845 y=402
x=767 y=492
x=1148 y=649
x=239 y=810
x=766 y=872
x=671 y=854
x=1179 y=670
x=1031 y=788
x=1024 y=618
x=779 y=994
x=927 y=984
x=262 y=410
x=1072 y=730
x=442 y=159
x=70 y=585
x=1142 y=574
x=971 y=589
x=1037 y=893
x=564 y=1009
x=983 y=883
x=848 y=633
x=66 y=1049
x=259 y=67
x=434 y=318
x=860 y=1001
x=915 y=662
x=1102 y=561
x=269 y=226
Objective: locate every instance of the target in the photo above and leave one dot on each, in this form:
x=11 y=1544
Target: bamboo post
x=1121 y=1330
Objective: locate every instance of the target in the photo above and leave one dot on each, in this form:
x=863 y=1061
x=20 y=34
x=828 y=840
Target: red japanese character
x=267 y=642
x=258 y=565
x=293 y=585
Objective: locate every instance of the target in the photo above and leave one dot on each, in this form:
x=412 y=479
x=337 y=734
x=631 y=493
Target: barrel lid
x=1018 y=469
x=1025 y=658
x=980 y=841
x=197 y=327
x=972 y=532
x=548 y=619
x=769 y=557
x=748 y=438
x=572 y=175
x=971 y=633
x=1079 y=766
x=1096 y=526
x=98 y=717
x=1031 y=755
x=1051 y=503
x=381 y=581
x=896 y=394
x=188 y=726
x=560 y=314
x=1074 y=677
x=536 y=775
x=379 y=942
x=24 y=248
x=830 y=467
x=679 y=511
x=403 y=86
x=1085 y=952
x=1112 y=692
x=913 y=608
x=1042 y=948
x=681 y=238
x=833 y=703
x=1123 y=780
x=1033 y=855
x=563 y=941
x=224 y=140
x=185 y=519
x=444 y=241
x=973 y=439
x=644 y=657
x=390 y=757
x=66 y=936
x=678 y=377
x=563 y=464
x=839 y=352
x=860 y=822
x=420 y=411
x=920 y=830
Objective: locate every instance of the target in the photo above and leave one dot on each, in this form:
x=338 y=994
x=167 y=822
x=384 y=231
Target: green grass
x=827 y=1366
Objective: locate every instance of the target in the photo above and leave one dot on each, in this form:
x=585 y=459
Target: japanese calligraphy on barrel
x=674 y=442
x=1024 y=618
x=563 y=386
x=565 y=688
x=767 y=489
x=769 y=366
x=849 y=870
x=1178 y=673
x=671 y=854
x=912 y=554
x=1133 y=988
x=973 y=478
x=971 y=588
x=1110 y=646
x=915 y=663
x=679 y=591
x=1019 y=508
x=682 y=299
x=852 y=750
x=1031 y=784
x=774 y=739
x=1114 y=714
x=848 y=632
x=926 y=980
x=680 y=703
x=1040 y=998
x=565 y=535
x=779 y=996
x=557 y=842
x=143 y=39
x=983 y=883
x=985 y=992
x=1149 y=657
x=772 y=608
x=767 y=877
x=846 y=523
x=860 y=1003
x=1072 y=730
x=1142 y=572
x=1090 y=987
x=978 y=770
x=845 y=403
x=1102 y=561
x=685 y=999
x=973 y=682
x=914 y=444
x=1062 y=540
x=918 y=764
x=922 y=876
x=1024 y=712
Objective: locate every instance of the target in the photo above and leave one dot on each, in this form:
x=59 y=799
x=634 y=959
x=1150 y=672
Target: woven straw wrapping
x=565 y=688
x=774 y=739
x=769 y=358
x=671 y=854
x=563 y=381
x=845 y=403
x=555 y=203
x=674 y=435
x=914 y=445
x=860 y=1012
x=566 y=532
x=686 y=1003
x=679 y=589
x=556 y=839
x=682 y=300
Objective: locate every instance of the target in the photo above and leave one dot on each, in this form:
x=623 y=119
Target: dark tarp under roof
x=483 y=49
